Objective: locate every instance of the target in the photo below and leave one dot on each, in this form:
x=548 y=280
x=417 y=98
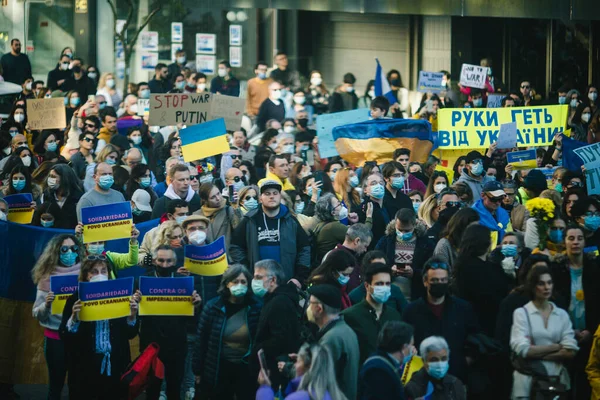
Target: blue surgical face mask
x=377 y=191
x=309 y=191
x=406 y=359
x=381 y=294
x=509 y=250
x=110 y=161
x=416 y=207
x=95 y=248
x=299 y=207
x=478 y=102
x=238 y=290
x=180 y=85
x=75 y=101
x=250 y=204
x=354 y=181
x=68 y=259
x=262 y=75
x=556 y=235
x=343 y=279
x=405 y=237
x=258 y=287
x=52 y=146
x=180 y=219
x=562 y=100
x=106 y=181
x=46 y=224
x=398 y=183
x=145 y=93
x=591 y=222
x=477 y=169
x=437 y=370
x=145 y=181
x=18 y=184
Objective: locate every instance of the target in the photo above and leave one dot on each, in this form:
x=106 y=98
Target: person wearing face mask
x=472 y=173
x=586 y=214
x=392 y=364
x=433 y=379
x=140 y=207
x=169 y=332
x=60 y=258
x=580 y=122
x=440 y=314
x=225 y=83
x=369 y=316
x=317 y=94
x=510 y=254
x=223 y=217
x=394 y=175
x=248 y=199
x=491 y=214
x=80 y=82
x=272 y=107
x=227 y=327
x=372 y=210
x=179 y=84
x=438 y=181
x=592 y=95
x=177 y=67
x=27 y=92
x=107 y=88
x=102 y=192
x=258 y=89
x=57 y=78
x=344 y=98
x=335 y=270
x=97 y=353
x=62 y=191
x=328 y=231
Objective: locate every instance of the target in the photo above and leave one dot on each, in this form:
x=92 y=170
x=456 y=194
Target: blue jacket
x=379 y=380
x=497 y=223
x=207 y=349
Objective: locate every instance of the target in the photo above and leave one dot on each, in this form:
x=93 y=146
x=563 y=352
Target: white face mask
x=110 y=83
x=586 y=117
x=371 y=94
x=288 y=129
x=202 y=86
x=133 y=108
x=28 y=86
x=316 y=81
x=276 y=95
x=299 y=100
x=26 y=161
x=197 y=237
x=2 y=216
x=19 y=118
x=99 y=278
x=64 y=66
x=439 y=187
x=222 y=72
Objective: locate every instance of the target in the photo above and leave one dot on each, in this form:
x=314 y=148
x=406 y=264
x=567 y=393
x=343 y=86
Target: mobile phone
x=92 y=98
x=319 y=176
x=230 y=187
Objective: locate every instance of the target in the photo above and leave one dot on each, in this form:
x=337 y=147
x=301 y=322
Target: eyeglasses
x=575 y=184
x=87 y=139
x=592 y=214
x=438 y=266
x=91 y=126
x=65 y=249
x=496 y=199
x=193 y=177
x=525 y=87
x=96 y=258
x=235 y=157
x=250 y=197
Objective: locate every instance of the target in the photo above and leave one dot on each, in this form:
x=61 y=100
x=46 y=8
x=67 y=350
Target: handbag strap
x=529 y=324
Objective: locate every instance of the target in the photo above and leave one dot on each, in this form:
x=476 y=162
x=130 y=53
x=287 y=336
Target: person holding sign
x=101 y=193
x=60 y=258
x=97 y=352
x=227 y=327
x=472 y=173
x=169 y=332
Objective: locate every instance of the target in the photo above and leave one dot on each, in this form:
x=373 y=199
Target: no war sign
x=478 y=128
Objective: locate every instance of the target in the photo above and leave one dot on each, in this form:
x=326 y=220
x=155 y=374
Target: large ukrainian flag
x=376 y=140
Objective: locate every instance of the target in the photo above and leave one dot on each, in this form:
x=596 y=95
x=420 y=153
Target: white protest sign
x=591 y=161
x=507 y=138
x=473 y=76
x=143 y=106
x=430 y=82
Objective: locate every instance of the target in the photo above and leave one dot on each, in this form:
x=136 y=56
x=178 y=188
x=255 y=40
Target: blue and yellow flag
x=377 y=139
x=105 y=300
x=166 y=296
x=204 y=140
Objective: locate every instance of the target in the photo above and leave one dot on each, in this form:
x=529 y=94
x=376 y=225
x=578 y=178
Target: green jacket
x=120 y=261
x=362 y=318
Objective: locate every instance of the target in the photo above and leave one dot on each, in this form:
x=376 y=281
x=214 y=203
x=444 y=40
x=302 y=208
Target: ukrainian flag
x=377 y=139
x=204 y=140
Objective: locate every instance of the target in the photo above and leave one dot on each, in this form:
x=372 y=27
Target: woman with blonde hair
x=110 y=155
x=345 y=184
x=171 y=233
x=428 y=211
x=107 y=88
x=247 y=199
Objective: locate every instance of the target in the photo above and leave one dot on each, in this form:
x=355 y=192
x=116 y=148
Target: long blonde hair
x=426 y=209
x=341 y=186
x=102 y=80
x=50 y=257
x=166 y=228
x=103 y=154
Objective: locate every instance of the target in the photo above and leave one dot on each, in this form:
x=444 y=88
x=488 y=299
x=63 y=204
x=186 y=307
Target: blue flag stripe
x=204 y=131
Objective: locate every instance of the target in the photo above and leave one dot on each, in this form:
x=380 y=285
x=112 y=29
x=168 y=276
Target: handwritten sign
x=326 y=123
x=179 y=108
x=105 y=300
x=473 y=76
x=143 y=106
x=166 y=296
x=591 y=160
x=46 y=114
x=209 y=260
x=19 y=208
x=494 y=100
x=431 y=82
x=230 y=108
x=63 y=287
x=106 y=222
x=525 y=159
x=507 y=138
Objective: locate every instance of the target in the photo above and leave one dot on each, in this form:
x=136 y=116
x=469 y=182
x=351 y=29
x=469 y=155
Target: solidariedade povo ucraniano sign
x=460 y=128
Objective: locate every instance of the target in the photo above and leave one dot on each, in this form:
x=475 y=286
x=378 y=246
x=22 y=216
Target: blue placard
x=430 y=82
x=326 y=123
x=22 y=200
x=520 y=156
x=106 y=213
x=151 y=286
x=208 y=252
x=90 y=291
x=64 y=284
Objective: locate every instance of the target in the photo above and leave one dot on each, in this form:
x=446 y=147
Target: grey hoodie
x=476 y=185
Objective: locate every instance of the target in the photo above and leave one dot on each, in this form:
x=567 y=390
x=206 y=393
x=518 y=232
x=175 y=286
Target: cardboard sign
x=525 y=159
x=179 y=108
x=46 y=114
x=430 y=82
x=461 y=128
x=230 y=108
x=19 y=208
x=105 y=300
x=204 y=140
x=107 y=222
x=209 y=260
x=591 y=161
x=166 y=296
x=326 y=123
x=63 y=287
x=507 y=138
x=473 y=76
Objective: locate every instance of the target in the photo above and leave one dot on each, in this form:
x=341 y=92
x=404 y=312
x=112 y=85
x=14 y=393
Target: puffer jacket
x=207 y=349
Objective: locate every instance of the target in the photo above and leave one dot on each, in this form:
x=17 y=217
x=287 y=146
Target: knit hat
x=327 y=294
x=472 y=156
x=141 y=198
x=269 y=184
x=535 y=180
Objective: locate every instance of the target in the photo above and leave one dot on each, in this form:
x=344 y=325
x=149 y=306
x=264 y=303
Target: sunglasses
x=237 y=179
x=235 y=157
x=193 y=177
x=453 y=204
x=576 y=184
x=438 y=266
x=88 y=140
x=96 y=258
x=65 y=249
x=525 y=87
x=91 y=126
x=496 y=199
x=250 y=197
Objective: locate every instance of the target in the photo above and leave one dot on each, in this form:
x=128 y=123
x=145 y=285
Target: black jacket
x=278 y=331
x=449 y=388
x=83 y=363
x=393 y=205
x=458 y=321
x=207 y=348
x=84 y=86
x=65 y=217
x=378 y=380
x=269 y=110
x=56 y=75
x=160 y=205
x=343 y=102
x=162 y=86
x=381 y=219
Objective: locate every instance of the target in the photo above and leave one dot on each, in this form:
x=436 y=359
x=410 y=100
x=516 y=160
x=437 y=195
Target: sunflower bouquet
x=543 y=212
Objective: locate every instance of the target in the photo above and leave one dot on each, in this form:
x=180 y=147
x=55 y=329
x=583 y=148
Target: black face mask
x=438 y=290
x=508 y=207
x=447 y=213
x=303 y=122
x=165 y=272
x=76 y=69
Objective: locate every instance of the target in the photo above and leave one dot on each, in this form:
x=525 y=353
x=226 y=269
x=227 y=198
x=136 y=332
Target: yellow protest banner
x=460 y=128
x=19 y=208
x=209 y=260
x=105 y=300
x=166 y=296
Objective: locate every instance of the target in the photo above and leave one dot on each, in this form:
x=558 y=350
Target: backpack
x=146 y=368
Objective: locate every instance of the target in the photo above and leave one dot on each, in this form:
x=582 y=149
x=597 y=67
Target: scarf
x=103 y=345
x=170 y=193
x=209 y=212
x=44 y=284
